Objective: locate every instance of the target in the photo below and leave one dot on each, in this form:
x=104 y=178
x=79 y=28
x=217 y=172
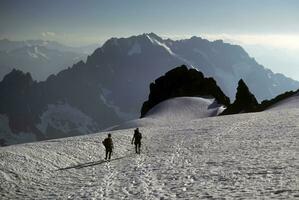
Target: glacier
x=244 y=156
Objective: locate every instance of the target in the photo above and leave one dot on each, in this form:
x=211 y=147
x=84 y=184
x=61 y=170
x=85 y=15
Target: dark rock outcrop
x=245 y=101
x=14 y=100
x=180 y=82
x=268 y=103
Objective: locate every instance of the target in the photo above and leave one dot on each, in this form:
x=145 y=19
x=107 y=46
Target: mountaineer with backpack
x=108 y=143
x=137 y=137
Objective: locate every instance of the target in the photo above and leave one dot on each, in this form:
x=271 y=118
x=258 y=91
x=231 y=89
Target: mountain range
x=112 y=84
x=40 y=58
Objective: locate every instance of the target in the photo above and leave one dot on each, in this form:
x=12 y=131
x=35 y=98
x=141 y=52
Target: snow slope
x=185 y=108
x=176 y=110
x=289 y=103
x=245 y=156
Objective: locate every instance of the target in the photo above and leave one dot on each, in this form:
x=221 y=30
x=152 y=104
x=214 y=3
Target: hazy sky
x=270 y=23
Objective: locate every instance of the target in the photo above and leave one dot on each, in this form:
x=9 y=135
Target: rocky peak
x=245 y=100
x=18 y=78
x=180 y=82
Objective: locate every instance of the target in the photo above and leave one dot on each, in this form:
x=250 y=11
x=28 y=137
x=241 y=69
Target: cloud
x=48 y=34
x=286 y=41
x=282 y=41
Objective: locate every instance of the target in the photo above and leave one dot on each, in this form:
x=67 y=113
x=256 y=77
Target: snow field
x=176 y=110
x=246 y=156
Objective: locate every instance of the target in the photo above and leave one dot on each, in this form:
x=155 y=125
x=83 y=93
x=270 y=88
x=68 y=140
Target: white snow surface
x=176 y=110
x=156 y=42
x=245 y=156
x=37 y=54
x=185 y=108
x=168 y=49
x=289 y=103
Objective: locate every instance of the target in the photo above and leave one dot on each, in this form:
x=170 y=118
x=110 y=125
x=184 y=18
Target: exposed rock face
x=180 y=82
x=245 y=101
x=65 y=105
x=14 y=100
x=268 y=103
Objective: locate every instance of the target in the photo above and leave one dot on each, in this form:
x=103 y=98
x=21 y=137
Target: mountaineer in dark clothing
x=137 y=137
x=108 y=143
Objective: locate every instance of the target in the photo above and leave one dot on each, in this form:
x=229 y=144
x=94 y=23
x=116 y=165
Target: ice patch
x=156 y=42
x=36 y=54
x=66 y=118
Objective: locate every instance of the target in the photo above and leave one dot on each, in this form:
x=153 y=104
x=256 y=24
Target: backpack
x=106 y=143
x=138 y=136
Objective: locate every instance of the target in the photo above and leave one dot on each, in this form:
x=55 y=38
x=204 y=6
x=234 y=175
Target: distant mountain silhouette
x=180 y=82
x=9 y=45
x=225 y=62
x=67 y=104
x=141 y=59
x=40 y=58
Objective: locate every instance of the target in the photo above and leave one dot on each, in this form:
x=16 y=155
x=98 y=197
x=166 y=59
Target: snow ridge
x=175 y=111
x=156 y=42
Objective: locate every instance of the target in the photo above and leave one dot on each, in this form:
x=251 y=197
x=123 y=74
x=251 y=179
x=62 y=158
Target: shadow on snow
x=89 y=164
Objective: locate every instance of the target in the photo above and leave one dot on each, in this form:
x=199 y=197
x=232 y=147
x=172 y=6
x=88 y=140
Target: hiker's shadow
x=89 y=164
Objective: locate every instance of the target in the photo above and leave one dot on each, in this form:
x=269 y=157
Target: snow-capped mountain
x=141 y=59
x=40 y=58
x=247 y=156
x=9 y=45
